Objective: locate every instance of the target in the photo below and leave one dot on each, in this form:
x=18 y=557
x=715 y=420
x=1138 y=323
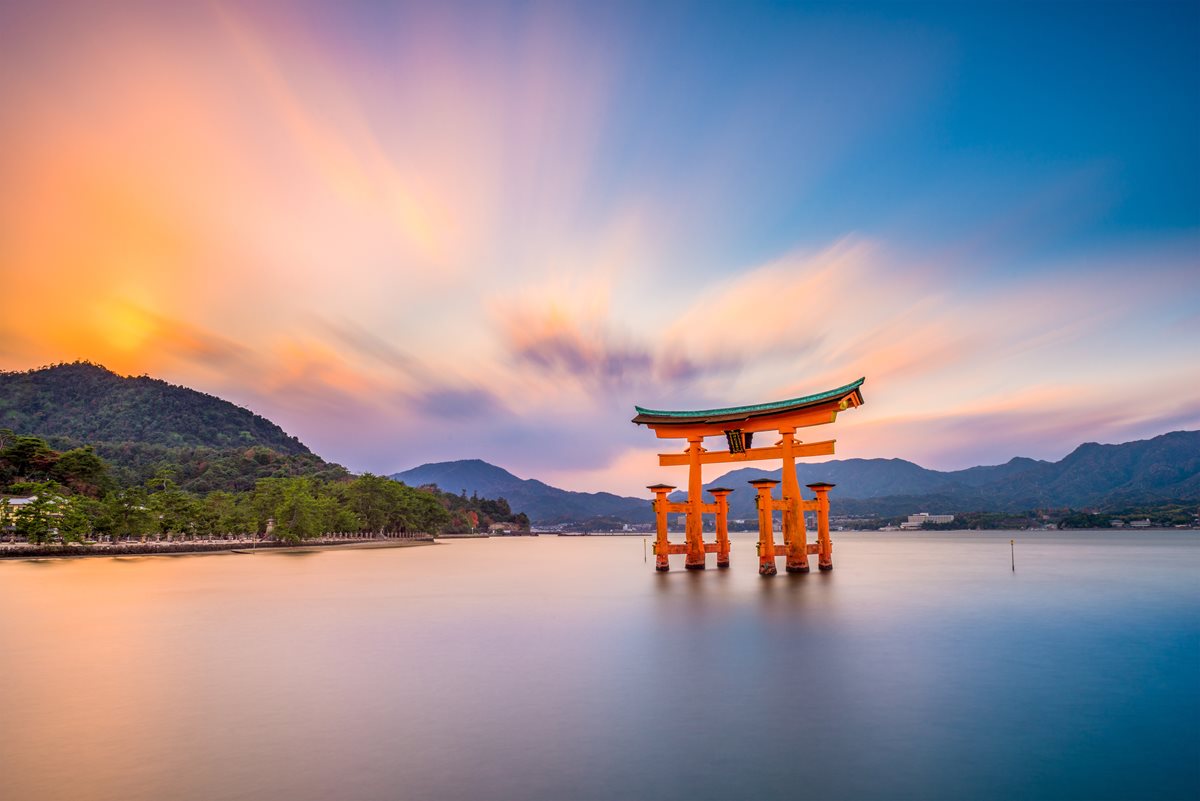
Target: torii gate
x=738 y=426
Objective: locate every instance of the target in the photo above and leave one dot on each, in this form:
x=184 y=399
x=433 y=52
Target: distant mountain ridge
x=541 y=502
x=1164 y=468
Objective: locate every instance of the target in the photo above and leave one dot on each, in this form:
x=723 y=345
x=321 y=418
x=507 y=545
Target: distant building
x=504 y=528
x=1117 y=523
x=1140 y=523
x=921 y=518
x=15 y=504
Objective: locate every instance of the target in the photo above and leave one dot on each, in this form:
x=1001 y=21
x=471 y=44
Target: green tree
x=297 y=516
x=173 y=508
x=226 y=513
x=163 y=478
x=376 y=501
x=29 y=458
x=6 y=516
x=38 y=519
x=77 y=517
x=127 y=513
x=265 y=500
x=423 y=512
x=82 y=471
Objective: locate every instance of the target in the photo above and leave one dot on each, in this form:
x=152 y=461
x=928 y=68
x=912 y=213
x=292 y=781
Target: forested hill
x=100 y=455
x=142 y=426
x=86 y=403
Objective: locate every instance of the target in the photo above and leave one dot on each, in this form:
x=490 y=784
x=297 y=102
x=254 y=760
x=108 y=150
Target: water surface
x=565 y=668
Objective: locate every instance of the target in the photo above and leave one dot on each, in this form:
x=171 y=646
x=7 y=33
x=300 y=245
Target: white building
x=921 y=518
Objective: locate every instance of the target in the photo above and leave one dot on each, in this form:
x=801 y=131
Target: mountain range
x=543 y=503
x=140 y=423
x=1165 y=468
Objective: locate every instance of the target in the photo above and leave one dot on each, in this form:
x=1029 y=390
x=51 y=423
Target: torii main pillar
x=737 y=425
x=695 y=523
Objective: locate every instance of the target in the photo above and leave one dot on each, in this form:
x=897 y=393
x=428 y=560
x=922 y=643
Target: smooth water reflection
x=565 y=668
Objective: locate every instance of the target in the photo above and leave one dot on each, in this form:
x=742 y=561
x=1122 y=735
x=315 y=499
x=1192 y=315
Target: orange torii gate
x=738 y=426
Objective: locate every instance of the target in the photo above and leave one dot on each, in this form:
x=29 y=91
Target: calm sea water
x=565 y=668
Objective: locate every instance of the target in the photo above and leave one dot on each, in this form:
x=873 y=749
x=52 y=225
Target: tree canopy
x=77 y=496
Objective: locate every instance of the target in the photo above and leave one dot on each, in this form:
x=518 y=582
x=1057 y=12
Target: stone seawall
x=25 y=551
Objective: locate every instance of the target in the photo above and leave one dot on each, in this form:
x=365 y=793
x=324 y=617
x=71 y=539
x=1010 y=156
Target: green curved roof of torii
x=658 y=415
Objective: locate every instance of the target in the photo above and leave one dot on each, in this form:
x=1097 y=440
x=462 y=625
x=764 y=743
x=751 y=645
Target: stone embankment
x=23 y=550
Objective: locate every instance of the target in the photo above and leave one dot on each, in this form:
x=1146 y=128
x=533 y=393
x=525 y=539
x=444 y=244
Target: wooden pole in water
x=1012 y=552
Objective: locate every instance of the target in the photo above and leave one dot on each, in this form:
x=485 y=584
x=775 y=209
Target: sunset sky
x=433 y=232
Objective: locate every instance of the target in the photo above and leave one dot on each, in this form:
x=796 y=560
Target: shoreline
x=240 y=549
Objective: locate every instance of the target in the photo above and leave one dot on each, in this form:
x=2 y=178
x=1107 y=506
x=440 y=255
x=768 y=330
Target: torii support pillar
x=662 y=547
x=766 y=526
x=721 y=496
x=824 y=544
x=795 y=533
x=695 y=501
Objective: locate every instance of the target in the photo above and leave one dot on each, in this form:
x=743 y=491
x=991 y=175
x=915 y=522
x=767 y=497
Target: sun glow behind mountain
x=436 y=232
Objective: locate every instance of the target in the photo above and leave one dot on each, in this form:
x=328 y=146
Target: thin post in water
x=1012 y=552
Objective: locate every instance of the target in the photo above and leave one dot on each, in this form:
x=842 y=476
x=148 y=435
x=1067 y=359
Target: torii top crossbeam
x=738 y=423
x=838 y=399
